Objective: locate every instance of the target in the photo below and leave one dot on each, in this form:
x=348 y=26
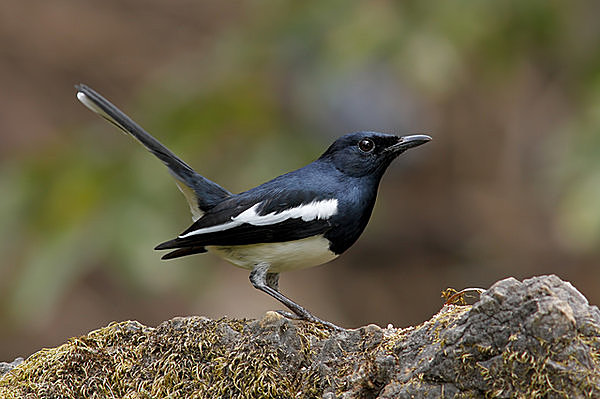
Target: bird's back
x=316 y=200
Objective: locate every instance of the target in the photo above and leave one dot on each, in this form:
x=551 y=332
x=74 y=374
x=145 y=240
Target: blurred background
x=245 y=91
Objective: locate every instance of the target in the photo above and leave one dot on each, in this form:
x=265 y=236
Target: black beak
x=407 y=142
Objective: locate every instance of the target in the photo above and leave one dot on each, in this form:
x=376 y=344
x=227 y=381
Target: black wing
x=290 y=229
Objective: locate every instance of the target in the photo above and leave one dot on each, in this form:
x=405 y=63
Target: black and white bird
x=300 y=219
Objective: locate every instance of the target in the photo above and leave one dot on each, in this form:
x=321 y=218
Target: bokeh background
x=244 y=91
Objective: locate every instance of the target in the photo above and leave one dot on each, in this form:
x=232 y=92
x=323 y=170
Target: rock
x=536 y=338
x=6 y=367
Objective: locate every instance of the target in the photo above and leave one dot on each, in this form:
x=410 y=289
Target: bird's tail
x=201 y=193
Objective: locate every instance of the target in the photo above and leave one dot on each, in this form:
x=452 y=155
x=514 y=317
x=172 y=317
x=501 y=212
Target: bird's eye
x=366 y=145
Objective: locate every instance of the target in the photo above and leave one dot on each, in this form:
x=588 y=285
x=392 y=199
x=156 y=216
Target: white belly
x=282 y=256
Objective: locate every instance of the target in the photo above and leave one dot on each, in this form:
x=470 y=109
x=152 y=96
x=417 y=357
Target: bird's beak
x=407 y=142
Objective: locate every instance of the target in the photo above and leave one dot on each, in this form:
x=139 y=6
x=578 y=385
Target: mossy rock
x=533 y=339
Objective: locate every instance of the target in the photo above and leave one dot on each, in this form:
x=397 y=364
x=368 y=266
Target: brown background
x=246 y=91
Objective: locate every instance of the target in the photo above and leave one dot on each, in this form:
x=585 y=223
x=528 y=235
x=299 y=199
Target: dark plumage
x=300 y=219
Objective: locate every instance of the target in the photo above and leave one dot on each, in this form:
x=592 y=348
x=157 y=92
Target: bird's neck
x=354 y=214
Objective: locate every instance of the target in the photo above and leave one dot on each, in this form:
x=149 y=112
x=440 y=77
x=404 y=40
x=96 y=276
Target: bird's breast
x=281 y=256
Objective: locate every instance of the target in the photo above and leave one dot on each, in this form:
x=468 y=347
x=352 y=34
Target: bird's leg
x=268 y=282
x=272 y=280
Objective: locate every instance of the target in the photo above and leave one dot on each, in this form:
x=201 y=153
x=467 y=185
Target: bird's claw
x=289 y=315
x=310 y=318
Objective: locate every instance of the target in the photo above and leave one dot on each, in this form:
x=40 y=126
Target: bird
x=300 y=219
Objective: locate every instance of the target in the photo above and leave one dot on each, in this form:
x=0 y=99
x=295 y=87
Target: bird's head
x=369 y=153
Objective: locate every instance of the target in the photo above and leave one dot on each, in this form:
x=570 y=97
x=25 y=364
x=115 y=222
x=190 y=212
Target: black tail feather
x=178 y=253
x=208 y=193
x=171 y=244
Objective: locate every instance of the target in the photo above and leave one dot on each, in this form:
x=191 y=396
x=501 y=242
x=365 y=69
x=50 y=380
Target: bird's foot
x=289 y=315
x=310 y=318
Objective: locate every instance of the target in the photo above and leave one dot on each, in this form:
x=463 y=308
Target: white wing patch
x=312 y=211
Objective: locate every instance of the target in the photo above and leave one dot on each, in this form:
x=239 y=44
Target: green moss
x=547 y=371
x=275 y=358
x=128 y=360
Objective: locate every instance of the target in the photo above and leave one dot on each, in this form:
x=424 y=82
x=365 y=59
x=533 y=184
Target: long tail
x=201 y=193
